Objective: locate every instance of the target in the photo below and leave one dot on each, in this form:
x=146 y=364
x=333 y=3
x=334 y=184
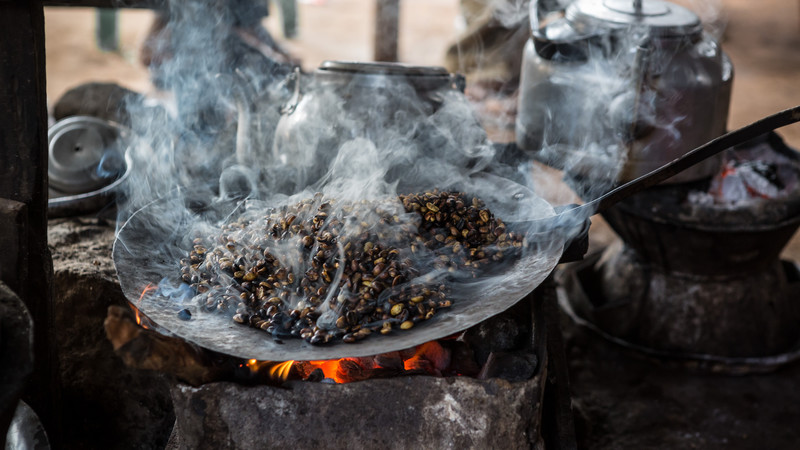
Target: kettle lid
x=382 y=68
x=660 y=18
x=368 y=73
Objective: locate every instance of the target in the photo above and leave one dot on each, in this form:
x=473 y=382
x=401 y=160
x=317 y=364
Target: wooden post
x=106 y=29
x=23 y=179
x=387 y=29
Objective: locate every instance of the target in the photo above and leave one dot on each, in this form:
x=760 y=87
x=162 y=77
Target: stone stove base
x=405 y=412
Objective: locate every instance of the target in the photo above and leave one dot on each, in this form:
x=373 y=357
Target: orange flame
x=276 y=371
x=431 y=357
x=138 y=316
x=329 y=367
x=148 y=288
x=281 y=370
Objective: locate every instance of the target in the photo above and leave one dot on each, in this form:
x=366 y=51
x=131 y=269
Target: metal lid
x=383 y=74
x=383 y=68
x=662 y=19
x=78 y=154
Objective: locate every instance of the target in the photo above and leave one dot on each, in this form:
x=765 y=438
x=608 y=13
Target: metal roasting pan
x=145 y=246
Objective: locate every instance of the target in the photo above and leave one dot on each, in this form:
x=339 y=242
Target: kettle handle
x=540 y=9
x=291 y=105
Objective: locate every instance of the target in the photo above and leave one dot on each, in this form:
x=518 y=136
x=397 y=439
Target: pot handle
x=291 y=105
x=705 y=151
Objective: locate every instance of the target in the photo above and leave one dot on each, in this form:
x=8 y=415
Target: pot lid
x=383 y=68
x=378 y=74
x=77 y=154
x=662 y=19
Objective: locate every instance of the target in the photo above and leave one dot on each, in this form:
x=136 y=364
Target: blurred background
x=762 y=39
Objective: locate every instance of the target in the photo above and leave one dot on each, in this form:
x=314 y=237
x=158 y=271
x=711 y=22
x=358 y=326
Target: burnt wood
x=23 y=178
x=141 y=348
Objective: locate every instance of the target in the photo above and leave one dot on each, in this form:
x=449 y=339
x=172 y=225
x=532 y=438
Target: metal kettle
x=614 y=89
x=411 y=115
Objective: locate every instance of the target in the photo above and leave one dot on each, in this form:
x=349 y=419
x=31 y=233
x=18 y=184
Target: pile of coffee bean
x=324 y=271
x=462 y=232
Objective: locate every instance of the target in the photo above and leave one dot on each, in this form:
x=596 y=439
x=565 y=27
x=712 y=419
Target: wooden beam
x=13 y=239
x=23 y=179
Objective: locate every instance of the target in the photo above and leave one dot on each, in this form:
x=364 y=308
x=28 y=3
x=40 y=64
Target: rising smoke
x=610 y=101
x=219 y=150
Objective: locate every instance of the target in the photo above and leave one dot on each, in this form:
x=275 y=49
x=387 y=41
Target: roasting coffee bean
x=348 y=270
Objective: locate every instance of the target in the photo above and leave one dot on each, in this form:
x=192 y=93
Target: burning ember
x=497 y=347
x=316 y=272
x=435 y=358
x=740 y=180
x=751 y=174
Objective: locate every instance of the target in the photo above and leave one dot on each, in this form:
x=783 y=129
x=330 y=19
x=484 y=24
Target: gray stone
x=405 y=412
x=16 y=353
x=104 y=404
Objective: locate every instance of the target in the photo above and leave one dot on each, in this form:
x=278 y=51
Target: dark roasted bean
x=453 y=227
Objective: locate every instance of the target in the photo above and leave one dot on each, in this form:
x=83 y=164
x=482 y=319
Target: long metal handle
x=580 y=213
x=705 y=151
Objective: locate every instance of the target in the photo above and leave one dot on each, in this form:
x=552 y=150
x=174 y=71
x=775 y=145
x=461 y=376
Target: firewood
x=148 y=349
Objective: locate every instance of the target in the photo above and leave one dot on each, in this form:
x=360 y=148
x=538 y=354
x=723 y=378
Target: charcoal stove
x=608 y=93
x=695 y=279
